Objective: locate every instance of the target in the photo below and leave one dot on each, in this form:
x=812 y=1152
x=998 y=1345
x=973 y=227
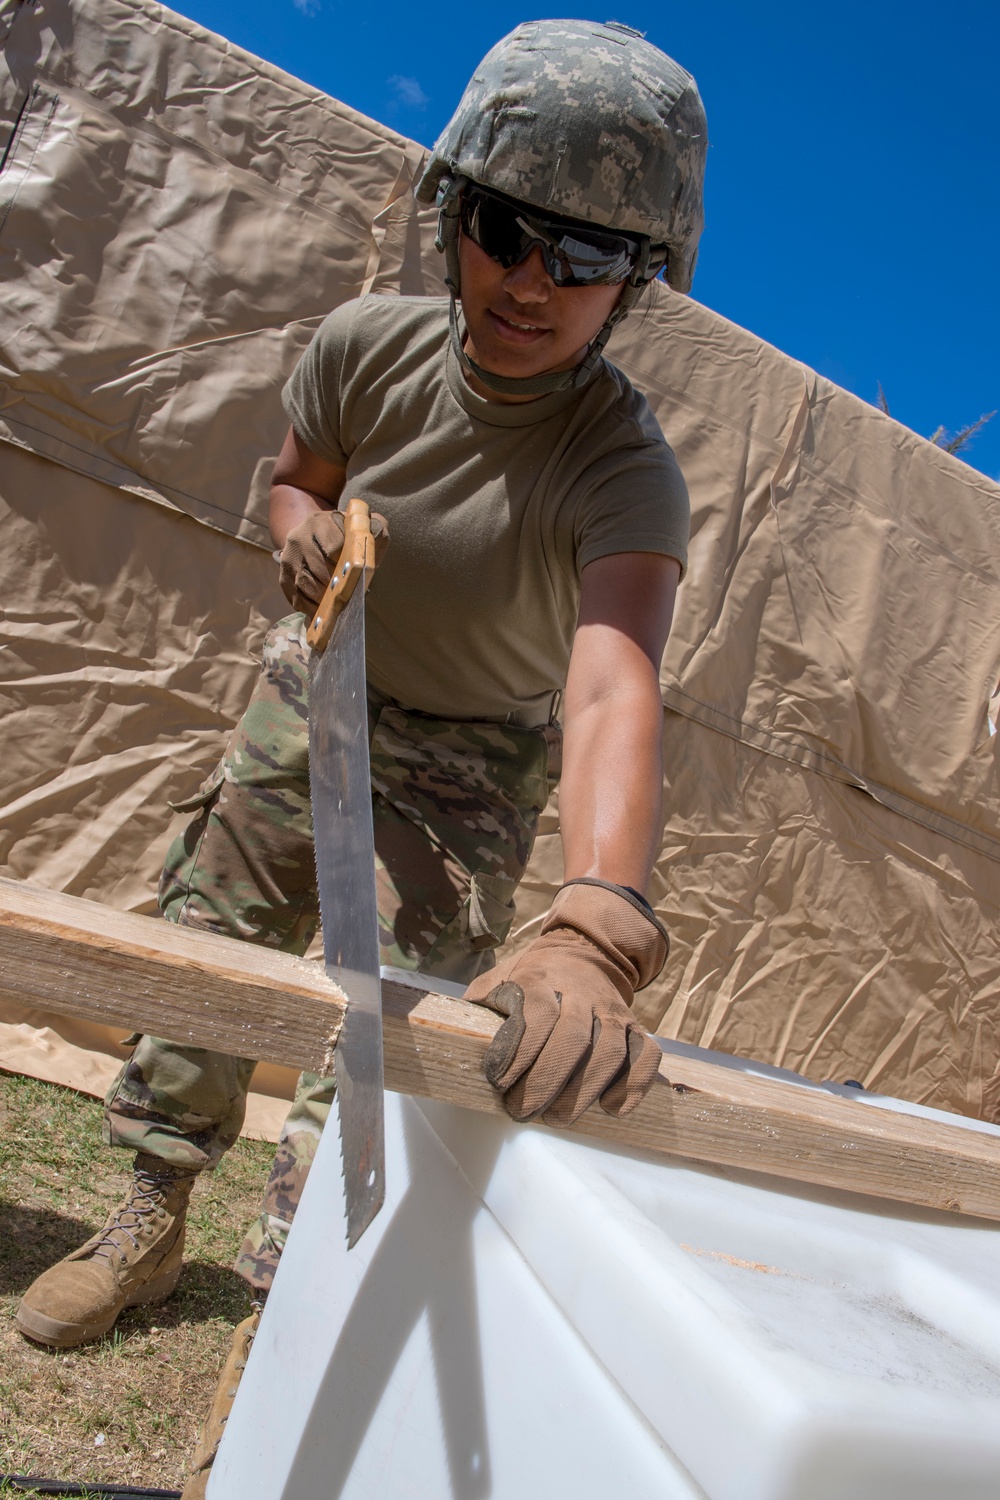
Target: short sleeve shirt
x=494 y=510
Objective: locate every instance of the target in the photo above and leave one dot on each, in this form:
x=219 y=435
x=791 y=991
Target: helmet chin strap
x=523 y=385
x=510 y=385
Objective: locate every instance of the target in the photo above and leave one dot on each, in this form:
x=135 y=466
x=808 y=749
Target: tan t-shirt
x=493 y=510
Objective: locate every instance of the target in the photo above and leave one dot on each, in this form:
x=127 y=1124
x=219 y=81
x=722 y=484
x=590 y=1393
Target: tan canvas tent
x=175 y=219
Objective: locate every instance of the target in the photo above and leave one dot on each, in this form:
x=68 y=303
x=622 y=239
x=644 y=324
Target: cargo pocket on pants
x=464 y=948
x=204 y=794
x=175 y=877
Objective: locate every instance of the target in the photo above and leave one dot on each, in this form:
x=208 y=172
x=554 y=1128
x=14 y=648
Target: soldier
x=539 y=524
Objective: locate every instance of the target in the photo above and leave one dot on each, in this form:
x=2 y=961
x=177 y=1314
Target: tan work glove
x=310 y=554
x=570 y=1037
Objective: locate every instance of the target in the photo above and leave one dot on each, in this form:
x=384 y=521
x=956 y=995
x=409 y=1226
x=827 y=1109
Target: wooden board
x=81 y=959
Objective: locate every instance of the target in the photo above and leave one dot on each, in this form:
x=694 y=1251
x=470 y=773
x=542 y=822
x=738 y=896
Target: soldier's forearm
x=302 y=483
x=612 y=786
x=290 y=505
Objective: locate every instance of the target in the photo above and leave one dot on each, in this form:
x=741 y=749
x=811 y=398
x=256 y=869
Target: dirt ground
x=125 y=1410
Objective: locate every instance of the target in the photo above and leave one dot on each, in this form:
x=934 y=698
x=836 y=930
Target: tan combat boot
x=222 y=1404
x=135 y=1258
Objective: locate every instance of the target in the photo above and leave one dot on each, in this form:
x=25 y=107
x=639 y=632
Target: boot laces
x=145 y=1197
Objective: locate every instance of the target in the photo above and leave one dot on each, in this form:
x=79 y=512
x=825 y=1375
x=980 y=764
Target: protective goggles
x=574 y=254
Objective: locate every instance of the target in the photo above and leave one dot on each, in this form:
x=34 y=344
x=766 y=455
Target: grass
x=125 y=1410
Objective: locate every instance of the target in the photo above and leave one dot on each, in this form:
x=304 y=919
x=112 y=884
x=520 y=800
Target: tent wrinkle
x=782 y=480
x=146 y=362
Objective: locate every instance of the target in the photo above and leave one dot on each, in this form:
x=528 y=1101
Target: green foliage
x=951 y=442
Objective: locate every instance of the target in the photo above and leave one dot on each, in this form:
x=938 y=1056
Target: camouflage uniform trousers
x=455 y=807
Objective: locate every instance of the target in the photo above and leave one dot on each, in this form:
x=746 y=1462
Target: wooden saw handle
x=357 y=558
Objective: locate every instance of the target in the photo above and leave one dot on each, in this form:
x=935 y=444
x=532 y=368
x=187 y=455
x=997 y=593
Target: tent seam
x=802 y=755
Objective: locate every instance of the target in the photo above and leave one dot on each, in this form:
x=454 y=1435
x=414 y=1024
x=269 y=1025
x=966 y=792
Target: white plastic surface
x=531 y=1317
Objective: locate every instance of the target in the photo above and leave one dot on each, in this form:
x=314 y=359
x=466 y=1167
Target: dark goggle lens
x=573 y=256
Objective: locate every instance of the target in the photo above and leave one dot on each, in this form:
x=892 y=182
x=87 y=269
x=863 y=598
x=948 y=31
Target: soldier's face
x=519 y=322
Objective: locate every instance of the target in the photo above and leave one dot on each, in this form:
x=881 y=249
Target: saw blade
x=340 y=780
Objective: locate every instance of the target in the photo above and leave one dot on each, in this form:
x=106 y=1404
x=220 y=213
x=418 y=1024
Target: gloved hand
x=310 y=554
x=570 y=1037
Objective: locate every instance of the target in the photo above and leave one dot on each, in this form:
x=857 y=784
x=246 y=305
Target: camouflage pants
x=455 y=808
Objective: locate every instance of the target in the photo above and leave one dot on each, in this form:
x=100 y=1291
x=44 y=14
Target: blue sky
x=853 y=189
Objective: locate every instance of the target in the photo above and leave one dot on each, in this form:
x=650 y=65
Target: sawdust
x=735 y=1260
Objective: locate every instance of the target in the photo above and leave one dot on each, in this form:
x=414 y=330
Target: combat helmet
x=589 y=122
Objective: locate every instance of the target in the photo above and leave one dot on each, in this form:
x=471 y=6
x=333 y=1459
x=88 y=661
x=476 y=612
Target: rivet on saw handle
x=357 y=558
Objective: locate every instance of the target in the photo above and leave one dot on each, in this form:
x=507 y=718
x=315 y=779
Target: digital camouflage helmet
x=589 y=122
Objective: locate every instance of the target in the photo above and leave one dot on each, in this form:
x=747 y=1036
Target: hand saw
x=340 y=782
